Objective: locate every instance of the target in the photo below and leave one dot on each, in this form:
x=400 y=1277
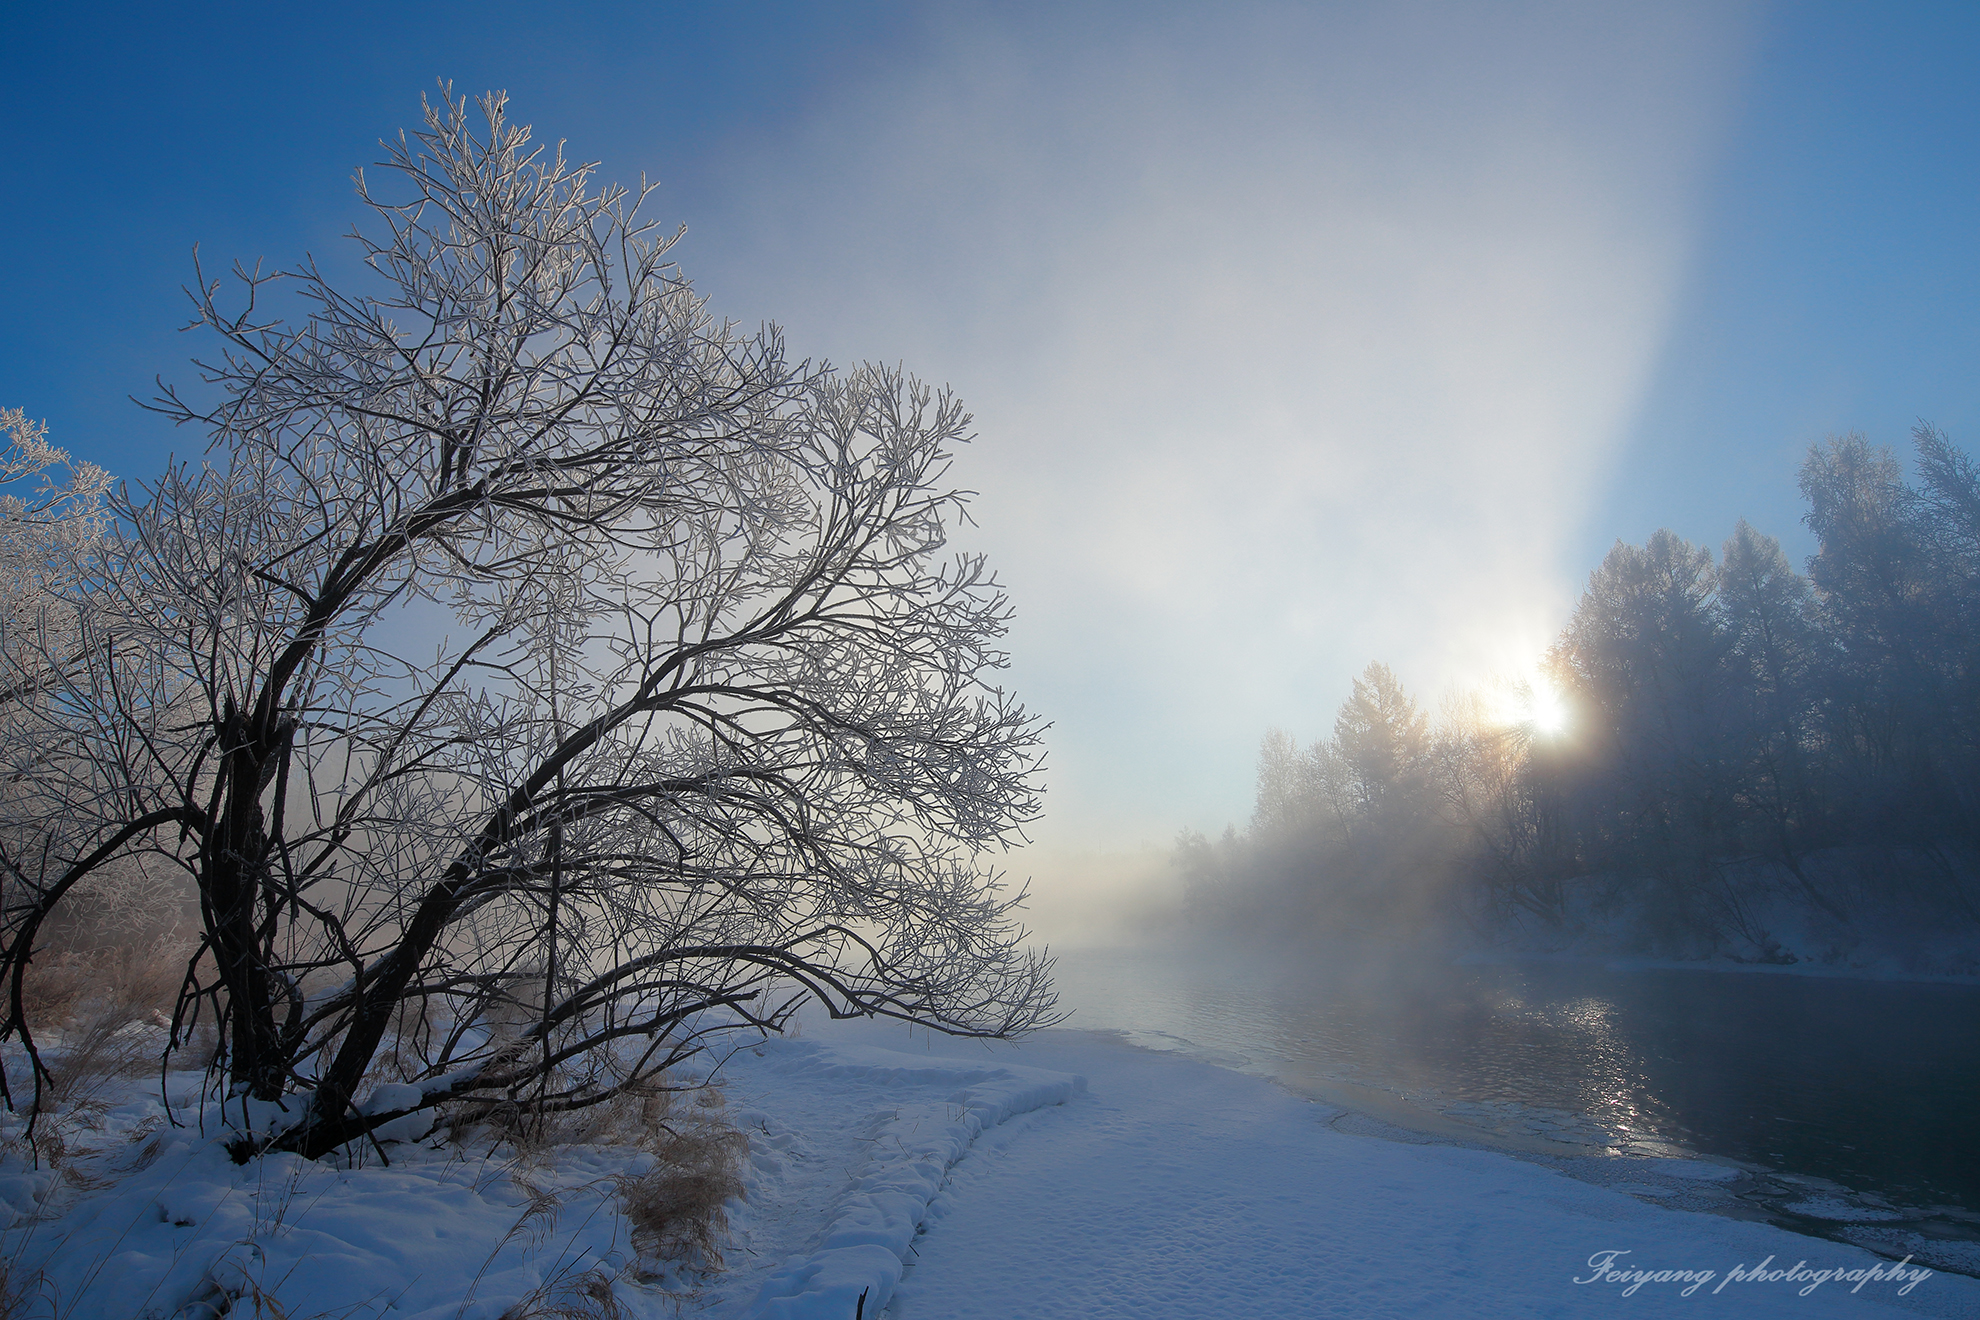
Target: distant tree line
x=1740 y=741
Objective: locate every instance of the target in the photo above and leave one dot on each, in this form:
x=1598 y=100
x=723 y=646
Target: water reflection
x=1870 y=1085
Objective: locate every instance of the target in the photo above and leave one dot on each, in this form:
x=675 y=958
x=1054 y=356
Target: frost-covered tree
x=537 y=675
x=53 y=519
x=1383 y=742
x=1772 y=659
x=1897 y=580
x=52 y=516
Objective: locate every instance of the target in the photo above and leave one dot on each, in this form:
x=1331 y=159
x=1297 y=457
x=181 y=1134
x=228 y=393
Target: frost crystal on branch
x=539 y=675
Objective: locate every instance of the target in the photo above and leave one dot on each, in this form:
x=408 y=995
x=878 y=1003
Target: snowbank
x=859 y=1260
x=1068 y=1175
x=173 y=1227
x=1175 y=1188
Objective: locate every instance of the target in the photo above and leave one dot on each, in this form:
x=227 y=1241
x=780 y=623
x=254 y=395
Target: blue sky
x=1836 y=282
x=1298 y=336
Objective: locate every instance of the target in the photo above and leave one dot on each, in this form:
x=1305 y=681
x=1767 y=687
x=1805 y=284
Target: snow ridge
x=864 y=1249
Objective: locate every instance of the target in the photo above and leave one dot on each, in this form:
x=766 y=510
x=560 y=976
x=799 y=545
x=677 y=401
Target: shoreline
x=1661 y=1173
x=1644 y=963
x=1806 y=1191
x=1285 y=1201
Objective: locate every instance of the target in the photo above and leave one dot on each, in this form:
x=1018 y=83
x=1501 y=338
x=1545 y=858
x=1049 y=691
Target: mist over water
x=1494 y=927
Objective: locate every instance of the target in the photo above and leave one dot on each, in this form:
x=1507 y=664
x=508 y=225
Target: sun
x=1534 y=705
x=1546 y=713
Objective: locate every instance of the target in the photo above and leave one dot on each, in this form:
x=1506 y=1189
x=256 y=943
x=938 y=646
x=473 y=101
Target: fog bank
x=1292 y=337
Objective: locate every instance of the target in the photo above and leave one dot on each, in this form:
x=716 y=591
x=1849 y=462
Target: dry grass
x=587 y=1297
x=16 y=1293
x=113 y=1029
x=112 y=958
x=678 y=1207
x=100 y=1016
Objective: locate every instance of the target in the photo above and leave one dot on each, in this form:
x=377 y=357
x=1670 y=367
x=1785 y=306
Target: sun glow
x=1533 y=704
x=1546 y=713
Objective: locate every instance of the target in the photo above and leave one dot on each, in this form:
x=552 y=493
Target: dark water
x=1871 y=1085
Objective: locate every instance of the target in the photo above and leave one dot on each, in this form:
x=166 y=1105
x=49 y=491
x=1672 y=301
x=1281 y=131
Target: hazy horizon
x=1295 y=338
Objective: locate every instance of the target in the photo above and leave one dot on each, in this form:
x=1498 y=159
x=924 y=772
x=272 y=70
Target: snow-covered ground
x=1071 y=1174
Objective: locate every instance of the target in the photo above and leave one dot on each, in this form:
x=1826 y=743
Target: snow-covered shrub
x=526 y=623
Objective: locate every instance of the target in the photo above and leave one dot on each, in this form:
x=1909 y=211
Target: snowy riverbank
x=1876 y=919
x=1067 y=1175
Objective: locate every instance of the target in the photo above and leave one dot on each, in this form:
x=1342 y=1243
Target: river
x=1866 y=1090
